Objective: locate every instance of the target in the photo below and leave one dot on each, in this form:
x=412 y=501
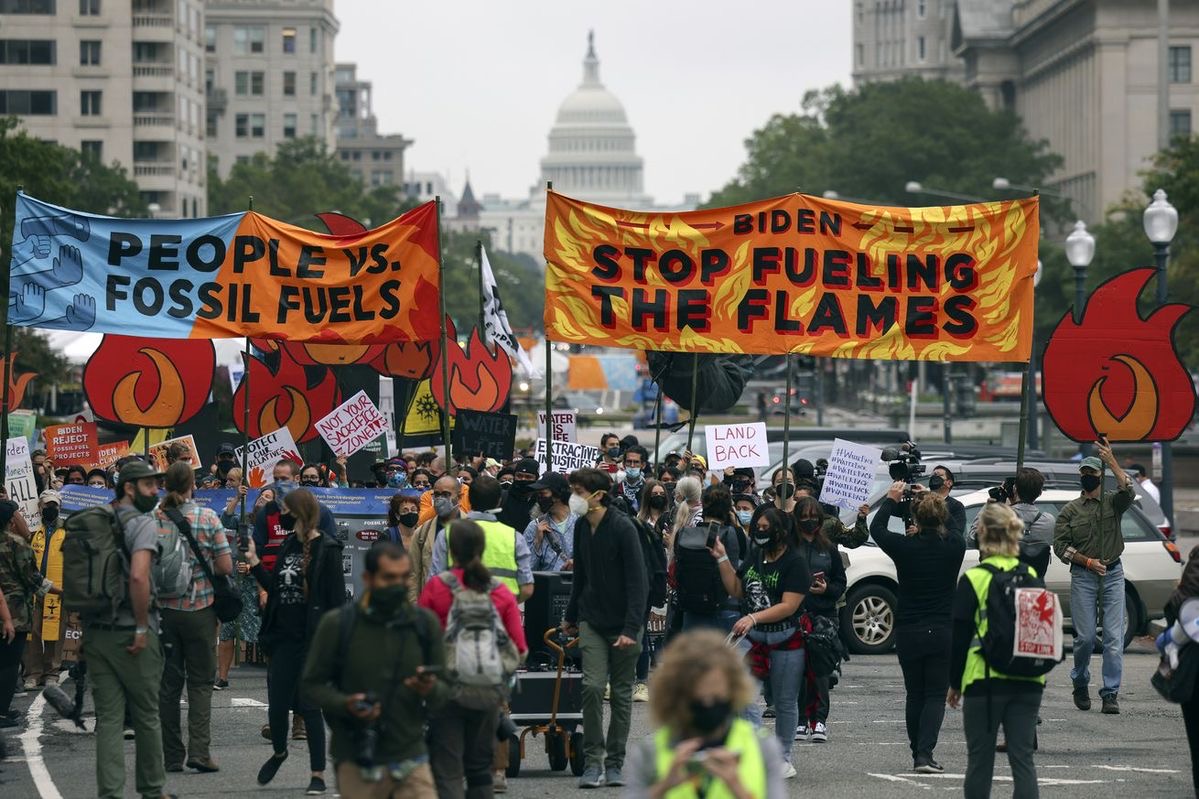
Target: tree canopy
x=521 y=284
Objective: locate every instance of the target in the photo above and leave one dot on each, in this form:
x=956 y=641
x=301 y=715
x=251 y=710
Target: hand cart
x=562 y=690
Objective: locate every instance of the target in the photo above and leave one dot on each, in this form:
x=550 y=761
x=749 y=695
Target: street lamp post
x=1080 y=251
x=916 y=187
x=1161 y=223
x=1034 y=413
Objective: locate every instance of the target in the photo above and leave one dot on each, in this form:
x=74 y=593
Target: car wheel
x=1132 y=616
x=868 y=620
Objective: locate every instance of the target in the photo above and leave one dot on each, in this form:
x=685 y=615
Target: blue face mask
x=282 y=488
x=744 y=516
x=633 y=472
x=397 y=480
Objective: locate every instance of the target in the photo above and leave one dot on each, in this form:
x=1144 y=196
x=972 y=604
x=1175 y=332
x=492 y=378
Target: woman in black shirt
x=927 y=561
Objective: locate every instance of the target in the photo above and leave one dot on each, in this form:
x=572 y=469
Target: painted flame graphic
x=412 y=359
x=1118 y=374
x=149 y=382
x=480 y=379
x=285 y=397
x=321 y=354
x=17 y=383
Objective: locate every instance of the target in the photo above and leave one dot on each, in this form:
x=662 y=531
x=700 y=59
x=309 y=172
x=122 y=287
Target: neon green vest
x=976 y=667
x=743 y=739
x=499 y=552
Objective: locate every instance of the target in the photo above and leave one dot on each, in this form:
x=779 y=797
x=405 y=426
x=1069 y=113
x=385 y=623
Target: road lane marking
x=239 y=701
x=897 y=778
x=32 y=746
x=1139 y=769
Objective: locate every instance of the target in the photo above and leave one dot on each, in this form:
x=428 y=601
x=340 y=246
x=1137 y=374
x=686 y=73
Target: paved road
x=1141 y=752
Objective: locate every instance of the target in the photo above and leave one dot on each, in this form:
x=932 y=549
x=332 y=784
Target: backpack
x=346 y=616
x=1024 y=624
x=1033 y=552
x=823 y=645
x=172 y=569
x=480 y=657
x=653 y=554
x=94 y=563
x=699 y=588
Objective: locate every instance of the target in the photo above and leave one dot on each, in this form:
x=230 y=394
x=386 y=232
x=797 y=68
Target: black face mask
x=1090 y=481
x=809 y=525
x=409 y=519
x=223 y=467
x=287 y=521
x=613 y=452
x=544 y=504
x=522 y=488
x=658 y=502
x=784 y=490
x=707 y=719
x=49 y=515
x=936 y=482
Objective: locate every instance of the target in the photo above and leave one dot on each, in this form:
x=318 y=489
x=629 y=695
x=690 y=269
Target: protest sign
x=564 y=425
x=158 y=453
x=108 y=454
x=228 y=276
x=22 y=423
x=18 y=478
x=68 y=444
x=796 y=274
x=263 y=453
x=850 y=476
x=568 y=456
x=493 y=434
x=736 y=445
x=352 y=425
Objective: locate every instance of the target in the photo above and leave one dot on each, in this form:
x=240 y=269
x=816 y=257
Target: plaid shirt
x=209 y=533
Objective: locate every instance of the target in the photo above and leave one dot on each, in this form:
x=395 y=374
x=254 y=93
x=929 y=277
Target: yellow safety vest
x=499 y=552
x=976 y=667
x=51 y=604
x=742 y=739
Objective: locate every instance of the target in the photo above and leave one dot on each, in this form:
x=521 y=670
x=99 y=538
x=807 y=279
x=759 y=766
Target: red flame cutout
x=285 y=397
x=149 y=382
x=1115 y=373
x=412 y=359
x=480 y=379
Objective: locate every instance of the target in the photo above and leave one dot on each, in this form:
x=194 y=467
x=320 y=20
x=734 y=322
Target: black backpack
x=823 y=645
x=699 y=588
x=999 y=644
x=653 y=554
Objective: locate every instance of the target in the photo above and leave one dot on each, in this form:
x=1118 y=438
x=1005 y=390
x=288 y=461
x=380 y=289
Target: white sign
x=737 y=445
x=850 y=477
x=564 y=426
x=568 y=456
x=354 y=424
x=263 y=453
x=18 y=478
x=387 y=407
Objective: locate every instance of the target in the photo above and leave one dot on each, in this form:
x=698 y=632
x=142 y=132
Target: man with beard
x=517 y=508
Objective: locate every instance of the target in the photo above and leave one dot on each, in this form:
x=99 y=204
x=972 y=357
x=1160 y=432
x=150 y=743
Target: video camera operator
x=940 y=482
x=372 y=669
x=1021 y=493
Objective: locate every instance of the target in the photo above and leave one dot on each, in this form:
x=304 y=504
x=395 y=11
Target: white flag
x=495 y=319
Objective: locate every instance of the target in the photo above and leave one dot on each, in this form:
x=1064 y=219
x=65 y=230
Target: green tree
x=870 y=141
x=521 y=284
x=301 y=179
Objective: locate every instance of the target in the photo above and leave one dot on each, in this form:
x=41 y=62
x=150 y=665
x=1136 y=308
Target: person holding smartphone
x=1087 y=537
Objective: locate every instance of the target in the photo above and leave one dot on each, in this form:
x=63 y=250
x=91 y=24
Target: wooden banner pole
x=549 y=384
x=445 y=359
x=694 y=399
x=788 y=476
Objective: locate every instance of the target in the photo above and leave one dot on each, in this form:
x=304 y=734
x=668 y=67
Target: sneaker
x=789 y=772
x=592 y=777
x=613 y=777
x=499 y=781
x=768 y=713
x=607 y=693
x=205 y=766
x=1002 y=746
x=820 y=733
x=270 y=768
x=924 y=764
x=316 y=787
x=266 y=731
x=1111 y=705
x=220 y=685
x=640 y=692
x=129 y=735
x=1082 y=697
x=298 y=731
x=803 y=733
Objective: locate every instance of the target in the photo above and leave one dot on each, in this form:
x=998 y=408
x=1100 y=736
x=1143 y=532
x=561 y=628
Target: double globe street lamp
x=1080 y=251
x=1161 y=223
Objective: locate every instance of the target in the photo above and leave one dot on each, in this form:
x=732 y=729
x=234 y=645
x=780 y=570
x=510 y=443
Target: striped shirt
x=209 y=534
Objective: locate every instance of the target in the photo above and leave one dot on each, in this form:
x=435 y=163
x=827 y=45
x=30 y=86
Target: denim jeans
x=1084 y=606
x=786 y=673
x=722 y=620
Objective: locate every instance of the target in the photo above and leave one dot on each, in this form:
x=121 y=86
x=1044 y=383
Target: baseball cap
x=1091 y=463
x=556 y=483
x=491 y=463
x=226 y=449
x=50 y=495
x=699 y=460
x=135 y=470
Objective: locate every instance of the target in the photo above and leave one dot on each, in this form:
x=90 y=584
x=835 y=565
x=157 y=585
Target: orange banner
x=796 y=274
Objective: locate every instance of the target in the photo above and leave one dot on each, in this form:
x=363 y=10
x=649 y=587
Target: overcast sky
x=477 y=83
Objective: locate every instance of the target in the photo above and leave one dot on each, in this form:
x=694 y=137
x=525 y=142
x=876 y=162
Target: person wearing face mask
x=827 y=569
x=272 y=523
x=379 y=647
x=421 y=479
x=310 y=476
x=655 y=507
x=940 y=482
x=43 y=656
x=519 y=502
x=402 y=518
x=551 y=534
x=701 y=746
x=606 y=610
x=744 y=506
x=783 y=485
x=445 y=503
x=631 y=480
x=609 y=459
x=506 y=476
x=97 y=478
x=1087 y=536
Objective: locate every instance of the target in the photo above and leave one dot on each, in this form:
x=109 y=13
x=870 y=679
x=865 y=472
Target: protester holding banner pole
x=43 y=654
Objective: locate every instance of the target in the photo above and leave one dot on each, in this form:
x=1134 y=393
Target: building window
x=27 y=51
x=249 y=83
x=312 y=124
x=89 y=8
x=89 y=103
x=30 y=103
x=345 y=155
x=89 y=54
x=859 y=53
x=249 y=39
x=1180 y=124
x=290 y=122
x=312 y=83
x=356 y=155
x=209 y=39
x=289 y=40
x=28 y=7
x=210 y=128
x=1179 y=64
x=92 y=149
x=251 y=126
x=289 y=84
x=920 y=49
x=921 y=8
x=312 y=39
x=381 y=177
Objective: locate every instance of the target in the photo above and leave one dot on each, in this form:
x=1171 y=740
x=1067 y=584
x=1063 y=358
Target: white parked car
x=1152 y=568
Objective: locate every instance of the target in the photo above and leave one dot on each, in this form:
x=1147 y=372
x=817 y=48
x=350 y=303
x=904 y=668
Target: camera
x=904 y=463
x=366 y=737
x=1005 y=493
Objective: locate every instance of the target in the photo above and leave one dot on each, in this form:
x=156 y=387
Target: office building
x=375 y=157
